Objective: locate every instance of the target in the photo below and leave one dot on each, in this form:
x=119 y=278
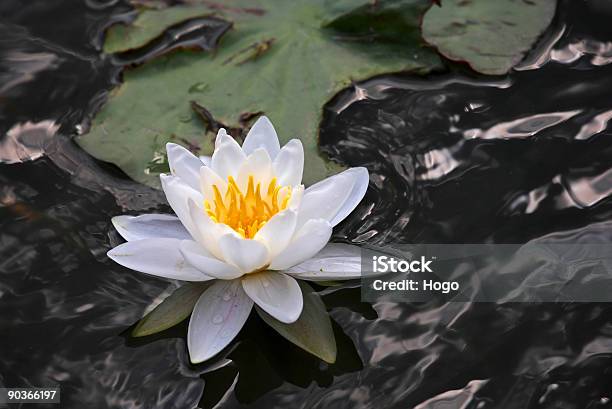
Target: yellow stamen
x=248 y=212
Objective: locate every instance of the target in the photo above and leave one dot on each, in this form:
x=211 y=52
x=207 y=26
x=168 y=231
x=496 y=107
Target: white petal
x=228 y=156
x=334 y=198
x=208 y=178
x=222 y=137
x=323 y=199
x=278 y=231
x=283 y=192
x=246 y=254
x=307 y=242
x=297 y=193
x=149 y=226
x=217 y=318
x=289 y=163
x=362 y=178
x=159 y=257
x=276 y=293
x=184 y=164
x=206 y=160
x=207 y=232
x=259 y=165
x=206 y=262
x=336 y=261
x=177 y=194
x=262 y=135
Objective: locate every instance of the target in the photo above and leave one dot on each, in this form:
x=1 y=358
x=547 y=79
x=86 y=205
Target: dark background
x=65 y=308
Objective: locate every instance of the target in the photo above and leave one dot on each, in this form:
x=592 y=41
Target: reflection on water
x=25 y=142
x=453 y=159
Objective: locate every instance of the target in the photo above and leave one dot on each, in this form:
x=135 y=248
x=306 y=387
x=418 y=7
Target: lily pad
x=174 y=309
x=148 y=25
x=279 y=59
x=312 y=331
x=388 y=20
x=492 y=36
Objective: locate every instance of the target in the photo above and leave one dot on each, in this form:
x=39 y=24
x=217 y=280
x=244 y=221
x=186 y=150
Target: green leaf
x=148 y=25
x=277 y=60
x=329 y=283
x=312 y=331
x=174 y=309
x=385 y=20
x=492 y=36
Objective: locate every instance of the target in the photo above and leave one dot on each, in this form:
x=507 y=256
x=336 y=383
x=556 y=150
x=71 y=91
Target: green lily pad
x=279 y=59
x=148 y=25
x=389 y=20
x=174 y=309
x=312 y=331
x=492 y=36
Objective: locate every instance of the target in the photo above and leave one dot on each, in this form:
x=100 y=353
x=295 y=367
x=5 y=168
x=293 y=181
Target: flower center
x=246 y=213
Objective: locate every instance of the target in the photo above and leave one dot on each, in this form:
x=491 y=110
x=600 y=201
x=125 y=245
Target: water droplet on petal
x=217 y=319
x=227 y=296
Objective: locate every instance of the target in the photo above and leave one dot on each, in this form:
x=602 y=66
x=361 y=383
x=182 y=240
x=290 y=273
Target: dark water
x=454 y=158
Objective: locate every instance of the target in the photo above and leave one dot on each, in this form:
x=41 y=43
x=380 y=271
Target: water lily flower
x=243 y=219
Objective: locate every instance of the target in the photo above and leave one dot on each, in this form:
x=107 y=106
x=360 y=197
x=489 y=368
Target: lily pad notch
x=264 y=64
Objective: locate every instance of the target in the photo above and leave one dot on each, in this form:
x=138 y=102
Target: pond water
x=453 y=158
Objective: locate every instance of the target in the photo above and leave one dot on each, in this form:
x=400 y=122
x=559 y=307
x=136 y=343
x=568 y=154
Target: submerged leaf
x=312 y=331
x=278 y=60
x=491 y=36
x=174 y=309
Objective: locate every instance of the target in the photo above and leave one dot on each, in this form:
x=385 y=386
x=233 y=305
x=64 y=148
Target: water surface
x=453 y=158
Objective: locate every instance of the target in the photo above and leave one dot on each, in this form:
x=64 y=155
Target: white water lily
x=244 y=219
